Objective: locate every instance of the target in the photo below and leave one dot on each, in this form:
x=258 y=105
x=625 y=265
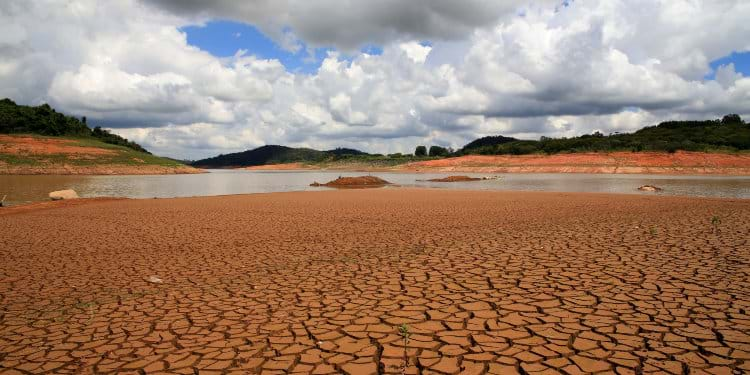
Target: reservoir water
x=21 y=189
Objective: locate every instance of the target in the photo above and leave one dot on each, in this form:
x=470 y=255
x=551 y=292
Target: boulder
x=154 y=279
x=63 y=194
x=649 y=188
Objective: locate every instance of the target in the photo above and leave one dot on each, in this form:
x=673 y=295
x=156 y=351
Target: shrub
x=438 y=151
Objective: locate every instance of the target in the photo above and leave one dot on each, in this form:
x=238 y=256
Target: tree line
x=729 y=133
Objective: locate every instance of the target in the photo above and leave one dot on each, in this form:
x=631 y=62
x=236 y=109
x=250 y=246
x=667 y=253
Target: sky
x=191 y=79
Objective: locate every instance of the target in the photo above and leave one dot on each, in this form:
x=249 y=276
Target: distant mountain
x=273 y=154
x=729 y=133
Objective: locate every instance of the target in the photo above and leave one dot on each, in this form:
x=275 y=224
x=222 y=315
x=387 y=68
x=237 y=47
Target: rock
x=353 y=182
x=63 y=194
x=154 y=279
x=649 y=188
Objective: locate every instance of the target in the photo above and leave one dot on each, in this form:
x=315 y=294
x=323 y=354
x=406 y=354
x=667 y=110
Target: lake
x=21 y=189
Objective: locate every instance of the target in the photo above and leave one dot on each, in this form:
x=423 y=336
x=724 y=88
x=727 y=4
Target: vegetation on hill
x=275 y=154
x=44 y=120
x=438 y=151
x=727 y=134
x=489 y=141
x=420 y=151
x=340 y=151
x=730 y=133
x=39 y=154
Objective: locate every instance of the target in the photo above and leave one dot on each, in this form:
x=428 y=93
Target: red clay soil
x=280 y=167
x=46 y=146
x=616 y=162
x=108 y=169
x=681 y=162
x=353 y=182
x=25 y=145
x=455 y=179
x=495 y=282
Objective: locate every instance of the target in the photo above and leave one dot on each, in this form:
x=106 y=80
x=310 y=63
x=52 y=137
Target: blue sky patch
x=741 y=61
x=372 y=50
x=224 y=38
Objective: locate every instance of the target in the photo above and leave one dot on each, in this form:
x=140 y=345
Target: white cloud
x=727 y=76
x=416 y=52
x=351 y=24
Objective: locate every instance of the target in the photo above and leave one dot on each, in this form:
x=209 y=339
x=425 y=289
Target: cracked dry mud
x=487 y=282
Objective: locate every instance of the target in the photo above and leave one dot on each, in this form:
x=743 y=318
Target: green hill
x=727 y=134
x=40 y=140
x=275 y=154
x=44 y=120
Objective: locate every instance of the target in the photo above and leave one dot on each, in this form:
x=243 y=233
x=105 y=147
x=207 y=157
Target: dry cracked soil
x=319 y=282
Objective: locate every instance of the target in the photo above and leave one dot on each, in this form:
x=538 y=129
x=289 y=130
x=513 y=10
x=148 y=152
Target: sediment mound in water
x=354 y=182
x=456 y=179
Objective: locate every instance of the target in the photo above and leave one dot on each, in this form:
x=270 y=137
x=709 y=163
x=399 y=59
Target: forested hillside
x=730 y=133
x=44 y=120
x=274 y=154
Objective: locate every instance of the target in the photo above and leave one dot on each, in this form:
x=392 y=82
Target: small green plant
x=63 y=315
x=652 y=230
x=88 y=306
x=403 y=331
x=419 y=249
x=85 y=305
x=715 y=223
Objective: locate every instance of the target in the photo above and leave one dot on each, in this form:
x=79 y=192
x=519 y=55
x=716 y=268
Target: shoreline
x=49 y=204
x=570 y=171
x=100 y=170
x=681 y=163
x=655 y=163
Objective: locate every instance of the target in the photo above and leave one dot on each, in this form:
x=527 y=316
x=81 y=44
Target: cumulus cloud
x=348 y=25
x=727 y=76
x=524 y=69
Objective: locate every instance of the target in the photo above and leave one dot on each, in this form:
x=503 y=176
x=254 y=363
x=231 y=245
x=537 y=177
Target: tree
x=420 y=151
x=731 y=119
x=438 y=151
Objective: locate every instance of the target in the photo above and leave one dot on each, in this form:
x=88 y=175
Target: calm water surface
x=22 y=189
